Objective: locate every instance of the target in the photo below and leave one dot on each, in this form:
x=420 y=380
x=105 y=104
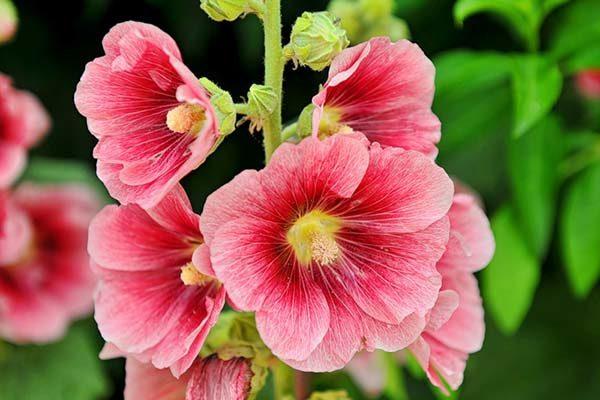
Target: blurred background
x=515 y=127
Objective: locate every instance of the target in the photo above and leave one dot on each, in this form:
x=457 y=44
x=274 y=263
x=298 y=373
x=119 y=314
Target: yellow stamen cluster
x=331 y=123
x=186 y=118
x=190 y=276
x=313 y=238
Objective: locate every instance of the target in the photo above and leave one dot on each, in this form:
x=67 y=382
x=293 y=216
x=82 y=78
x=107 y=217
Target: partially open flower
x=383 y=90
x=207 y=379
x=156 y=263
x=333 y=245
x=588 y=83
x=153 y=119
x=23 y=122
x=8 y=20
x=456 y=326
x=45 y=280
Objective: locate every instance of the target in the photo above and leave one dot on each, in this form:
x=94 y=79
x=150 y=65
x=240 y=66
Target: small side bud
x=9 y=20
x=304 y=128
x=262 y=101
x=315 y=40
x=223 y=105
x=225 y=10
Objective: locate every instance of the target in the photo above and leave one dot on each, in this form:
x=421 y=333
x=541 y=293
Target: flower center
x=331 y=124
x=190 y=276
x=186 y=118
x=312 y=237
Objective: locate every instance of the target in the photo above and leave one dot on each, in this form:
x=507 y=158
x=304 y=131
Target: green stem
x=394 y=377
x=241 y=108
x=273 y=73
x=289 y=131
x=283 y=381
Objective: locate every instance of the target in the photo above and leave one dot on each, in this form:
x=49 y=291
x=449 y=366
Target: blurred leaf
x=394 y=377
x=511 y=278
x=533 y=168
x=576 y=35
x=524 y=17
x=580 y=231
x=47 y=170
x=536 y=86
x=69 y=369
x=468 y=97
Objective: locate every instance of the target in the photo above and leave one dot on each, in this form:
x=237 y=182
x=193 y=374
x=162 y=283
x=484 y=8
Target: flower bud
x=304 y=128
x=223 y=104
x=330 y=395
x=8 y=20
x=262 y=101
x=225 y=10
x=315 y=40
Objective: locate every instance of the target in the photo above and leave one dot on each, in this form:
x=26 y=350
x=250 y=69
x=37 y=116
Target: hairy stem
x=274 y=64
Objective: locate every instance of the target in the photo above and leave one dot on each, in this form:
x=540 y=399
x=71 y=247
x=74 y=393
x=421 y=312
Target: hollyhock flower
x=23 y=121
x=155 y=262
x=456 y=326
x=588 y=83
x=48 y=283
x=153 y=120
x=16 y=232
x=333 y=245
x=208 y=379
x=383 y=90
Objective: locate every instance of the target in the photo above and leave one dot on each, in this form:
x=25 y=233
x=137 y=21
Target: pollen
x=313 y=238
x=186 y=118
x=190 y=276
x=331 y=124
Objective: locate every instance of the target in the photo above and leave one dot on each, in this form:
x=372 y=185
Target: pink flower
x=23 y=122
x=588 y=83
x=333 y=245
x=383 y=90
x=156 y=299
x=153 y=120
x=47 y=282
x=456 y=326
x=208 y=379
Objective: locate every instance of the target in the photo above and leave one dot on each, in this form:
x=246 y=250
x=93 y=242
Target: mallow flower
x=153 y=120
x=334 y=245
x=383 y=90
x=23 y=122
x=45 y=280
x=588 y=83
x=157 y=297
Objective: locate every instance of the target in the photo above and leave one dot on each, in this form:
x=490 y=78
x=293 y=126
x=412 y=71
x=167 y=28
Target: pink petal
x=216 y=379
x=445 y=306
x=12 y=163
x=144 y=382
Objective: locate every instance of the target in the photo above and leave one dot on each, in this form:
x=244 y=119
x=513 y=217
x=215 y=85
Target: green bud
x=9 y=20
x=304 y=128
x=330 y=395
x=374 y=11
x=262 y=101
x=398 y=29
x=315 y=40
x=223 y=104
x=225 y=10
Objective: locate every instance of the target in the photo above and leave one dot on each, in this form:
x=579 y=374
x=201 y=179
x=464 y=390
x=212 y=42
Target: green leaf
x=580 y=231
x=533 y=166
x=69 y=369
x=52 y=171
x=536 y=86
x=509 y=282
x=576 y=34
x=524 y=17
x=463 y=81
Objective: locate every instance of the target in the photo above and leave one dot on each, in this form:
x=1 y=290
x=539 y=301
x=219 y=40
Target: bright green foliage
x=580 y=231
x=68 y=369
x=524 y=17
x=315 y=40
x=536 y=85
x=576 y=34
x=533 y=167
x=510 y=281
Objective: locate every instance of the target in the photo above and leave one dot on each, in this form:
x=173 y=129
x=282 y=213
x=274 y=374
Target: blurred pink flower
x=208 y=379
x=153 y=120
x=334 y=245
x=23 y=122
x=383 y=90
x=456 y=326
x=156 y=299
x=48 y=282
x=588 y=83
